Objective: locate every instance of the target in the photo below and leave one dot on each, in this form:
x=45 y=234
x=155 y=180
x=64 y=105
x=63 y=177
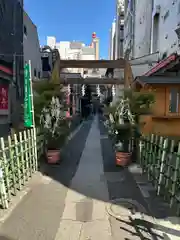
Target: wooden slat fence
x=160 y=159
x=19 y=156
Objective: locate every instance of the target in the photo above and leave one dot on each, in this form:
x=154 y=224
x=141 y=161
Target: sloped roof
x=158 y=80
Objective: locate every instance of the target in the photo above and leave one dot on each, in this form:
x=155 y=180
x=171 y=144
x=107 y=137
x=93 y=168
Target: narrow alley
x=71 y=201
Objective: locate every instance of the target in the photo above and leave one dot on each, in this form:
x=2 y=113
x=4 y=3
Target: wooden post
x=175 y=176
x=150 y=156
x=11 y=158
x=164 y=153
x=22 y=157
x=128 y=76
x=170 y=161
x=6 y=168
x=4 y=197
x=26 y=155
x=30 y=152
x=17 y=154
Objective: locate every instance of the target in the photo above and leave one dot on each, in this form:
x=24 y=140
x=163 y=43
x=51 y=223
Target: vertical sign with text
x=28 y=116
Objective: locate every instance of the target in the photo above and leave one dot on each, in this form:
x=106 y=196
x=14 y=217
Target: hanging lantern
x=83 y=90
x=98 y=90
x=113 y=91
x=69 y=89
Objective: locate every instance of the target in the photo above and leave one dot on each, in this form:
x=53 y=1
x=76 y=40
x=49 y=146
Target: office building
x=95 y=45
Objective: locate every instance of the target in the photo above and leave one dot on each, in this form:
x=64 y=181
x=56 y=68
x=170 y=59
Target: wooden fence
x=19 y=156
x=160 y=159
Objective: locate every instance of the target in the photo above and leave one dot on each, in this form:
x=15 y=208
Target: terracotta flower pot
x=53 y=156
x=123 y=158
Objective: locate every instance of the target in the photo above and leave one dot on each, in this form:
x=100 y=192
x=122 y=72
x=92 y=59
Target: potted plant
x=124 y=134
x=55 y=128
x=123 y=122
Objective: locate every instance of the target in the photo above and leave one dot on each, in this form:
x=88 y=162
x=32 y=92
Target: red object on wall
x=6 y=70
x=4 y=97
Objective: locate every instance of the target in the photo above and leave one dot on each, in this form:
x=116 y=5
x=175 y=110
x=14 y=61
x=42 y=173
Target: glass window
x=174 y=100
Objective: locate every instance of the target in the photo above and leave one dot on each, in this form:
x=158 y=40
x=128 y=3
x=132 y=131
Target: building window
x=25 y=31
x=35 y=73
x=174 y=100
x=39 y=74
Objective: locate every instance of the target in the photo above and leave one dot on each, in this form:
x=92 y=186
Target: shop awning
x=6 y=70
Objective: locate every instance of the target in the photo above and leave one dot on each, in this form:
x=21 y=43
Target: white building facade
x=166 y=27
x=72 y=50
x=152 y=26
x=116 y=33
x=112 y=41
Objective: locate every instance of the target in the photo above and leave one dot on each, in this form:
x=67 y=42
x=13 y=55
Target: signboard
x=4 y=97
x=28 y=115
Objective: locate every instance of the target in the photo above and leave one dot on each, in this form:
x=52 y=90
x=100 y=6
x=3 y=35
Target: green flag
x=28 y=116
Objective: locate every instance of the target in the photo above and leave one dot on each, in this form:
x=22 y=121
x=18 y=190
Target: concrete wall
x=168 y=21
x=32 y=48
x=154 y=29
x=142 y=28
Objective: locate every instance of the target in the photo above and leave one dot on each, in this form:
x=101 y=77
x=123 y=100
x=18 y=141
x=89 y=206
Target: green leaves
x=44 y=91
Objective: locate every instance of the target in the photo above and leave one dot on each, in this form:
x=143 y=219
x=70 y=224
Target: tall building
x=116 y=34
x=11 y=63
x=119 y=29
x=95 y=45
x=112 y=41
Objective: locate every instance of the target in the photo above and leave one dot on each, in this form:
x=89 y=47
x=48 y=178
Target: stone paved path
x=85 y=205
x=70 y=201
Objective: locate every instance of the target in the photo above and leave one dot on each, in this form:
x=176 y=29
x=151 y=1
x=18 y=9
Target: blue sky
x=70 y=20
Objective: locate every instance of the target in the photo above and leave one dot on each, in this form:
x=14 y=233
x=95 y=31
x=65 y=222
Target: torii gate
x=113 y=64
x=95 y=64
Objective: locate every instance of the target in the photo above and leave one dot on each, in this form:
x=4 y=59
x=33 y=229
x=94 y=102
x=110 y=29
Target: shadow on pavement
x=5 y=238
x=120 y=182
x=70 y=157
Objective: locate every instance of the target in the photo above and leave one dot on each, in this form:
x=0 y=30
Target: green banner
x=28 y=116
